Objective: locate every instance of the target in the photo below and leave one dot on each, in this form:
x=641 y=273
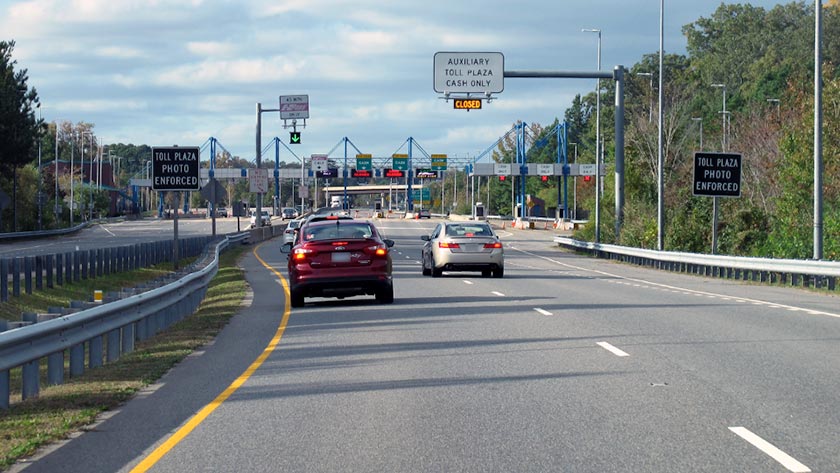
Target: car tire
x=485 y=273
x=499 y=272
x=296 y=298
x=436 y=273
x=385 y=295
x=426 y=271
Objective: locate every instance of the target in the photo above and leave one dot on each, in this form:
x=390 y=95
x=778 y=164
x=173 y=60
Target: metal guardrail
x=42 y=233
x=107 y=330
x=810 y=273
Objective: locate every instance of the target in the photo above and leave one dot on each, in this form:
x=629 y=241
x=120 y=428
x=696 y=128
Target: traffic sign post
x=175 y=169
x=716 y=175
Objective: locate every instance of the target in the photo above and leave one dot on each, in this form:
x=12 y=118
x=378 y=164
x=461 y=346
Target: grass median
x=60 y=410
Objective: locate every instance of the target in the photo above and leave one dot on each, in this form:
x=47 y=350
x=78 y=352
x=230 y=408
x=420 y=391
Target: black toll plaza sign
x=175 y=168
x=717 y=174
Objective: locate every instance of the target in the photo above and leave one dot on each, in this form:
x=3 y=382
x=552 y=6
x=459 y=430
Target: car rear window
x=468 y=230
x=342 y=230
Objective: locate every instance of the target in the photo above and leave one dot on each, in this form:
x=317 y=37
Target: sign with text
x=425 y=174
x=294 y=106
x=400 y=162
x=327 y=173
x=502 y=169
x=361 y=173
x=392 y=173
x=258 y=180
x=175 y=168
x=469 y=72
x=439 y=162
x=319 y=162
x=364 y=161
x=717 y=174
x=466 y=104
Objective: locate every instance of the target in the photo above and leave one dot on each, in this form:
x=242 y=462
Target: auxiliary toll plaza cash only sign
x=175 y=168
x=717 y=174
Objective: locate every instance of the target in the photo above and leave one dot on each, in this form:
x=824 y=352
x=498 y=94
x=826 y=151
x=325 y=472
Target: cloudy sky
x=164 y=72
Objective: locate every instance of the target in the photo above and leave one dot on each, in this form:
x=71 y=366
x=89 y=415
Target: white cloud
x=99 y=105
x=210 y=48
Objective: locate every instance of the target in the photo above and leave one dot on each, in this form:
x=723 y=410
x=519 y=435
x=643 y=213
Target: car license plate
x=341 y=257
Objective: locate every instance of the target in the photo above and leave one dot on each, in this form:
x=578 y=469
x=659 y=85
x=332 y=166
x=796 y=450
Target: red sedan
x=339 y=258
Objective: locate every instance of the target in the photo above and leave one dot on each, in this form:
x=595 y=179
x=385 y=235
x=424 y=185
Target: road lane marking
x=615 y=351
x=467 y=281
x=786 y=460
x=205 y=412
x=542 y=311
x=679 y=289
x=498 y=293
x=106 y=229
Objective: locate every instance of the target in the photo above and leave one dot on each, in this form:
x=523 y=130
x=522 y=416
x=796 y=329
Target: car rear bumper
x=342 y=287
x=470 y=261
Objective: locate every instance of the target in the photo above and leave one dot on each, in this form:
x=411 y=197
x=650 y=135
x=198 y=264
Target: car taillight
x=444 y=244
x=300 y=254
x=377 y=250
x=493 y=245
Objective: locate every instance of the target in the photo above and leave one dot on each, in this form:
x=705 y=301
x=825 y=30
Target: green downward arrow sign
x=294 y=137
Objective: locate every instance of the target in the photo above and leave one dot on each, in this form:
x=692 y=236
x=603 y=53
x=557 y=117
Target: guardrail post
x=30 y=385
x=113 y=352
x=4 y=283
x=77 y=360
x=95 y=348
x=4 y=390
x=55 y=368
x=128 y=338
x=142 y=329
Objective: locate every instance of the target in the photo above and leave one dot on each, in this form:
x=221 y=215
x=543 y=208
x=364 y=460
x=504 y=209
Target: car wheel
x=485 y=273
x=426 y=271
x=385 y=295
x=436 y=273
x=498 y=273
x=296 y=298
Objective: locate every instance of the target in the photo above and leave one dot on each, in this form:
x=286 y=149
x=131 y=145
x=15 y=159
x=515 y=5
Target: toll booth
x=478 y=211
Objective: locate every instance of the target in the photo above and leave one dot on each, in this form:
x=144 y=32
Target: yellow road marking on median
x=194 y=422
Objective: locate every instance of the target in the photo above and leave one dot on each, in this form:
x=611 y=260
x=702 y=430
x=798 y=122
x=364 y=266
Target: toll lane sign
x=175 y=168
x=717 y=174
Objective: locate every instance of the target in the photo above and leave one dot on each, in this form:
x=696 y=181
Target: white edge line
x=615 y=351
x=786 y=460
x=542 y=311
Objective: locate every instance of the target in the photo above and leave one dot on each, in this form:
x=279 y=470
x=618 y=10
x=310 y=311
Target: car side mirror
x=390 y=243
x=286 y=248
x=425 y=238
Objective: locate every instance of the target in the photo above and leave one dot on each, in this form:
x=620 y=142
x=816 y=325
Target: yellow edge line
x=194 y=422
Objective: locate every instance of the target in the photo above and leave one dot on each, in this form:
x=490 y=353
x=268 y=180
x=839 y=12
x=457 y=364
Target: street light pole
x=40 y=174
x=598 y=181
x=650 y=108
x=725 y=139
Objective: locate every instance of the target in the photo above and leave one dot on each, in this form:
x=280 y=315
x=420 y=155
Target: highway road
x=120 y=233
x=567 y=364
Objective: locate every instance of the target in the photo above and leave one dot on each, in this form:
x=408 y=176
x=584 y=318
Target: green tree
x=19 y=128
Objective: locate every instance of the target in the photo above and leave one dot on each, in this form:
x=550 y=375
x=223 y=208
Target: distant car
x=222 y=212
x=287 y=213
x=424 y=213
x=463 y=246
x=266 y=218
x=291 y=231
x=339 y=258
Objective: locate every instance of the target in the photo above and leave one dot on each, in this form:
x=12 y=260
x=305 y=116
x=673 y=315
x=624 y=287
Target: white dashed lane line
x=466 y=281
x=497 y=293
x=542 y=311
x=786 y=460
x=615 y=351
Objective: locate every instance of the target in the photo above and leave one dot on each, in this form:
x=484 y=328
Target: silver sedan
x=463 y=246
